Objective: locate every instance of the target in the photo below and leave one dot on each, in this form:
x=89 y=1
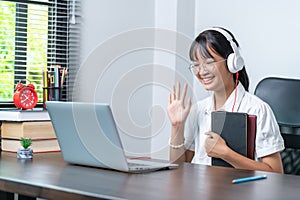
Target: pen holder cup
x=51 y=94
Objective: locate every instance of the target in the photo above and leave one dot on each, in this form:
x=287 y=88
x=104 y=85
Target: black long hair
x=218 y=42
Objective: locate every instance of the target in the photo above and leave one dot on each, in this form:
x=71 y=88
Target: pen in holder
x=53 y=81
x=51 y=94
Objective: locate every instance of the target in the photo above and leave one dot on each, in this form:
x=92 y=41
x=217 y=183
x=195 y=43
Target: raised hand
x=177 y=111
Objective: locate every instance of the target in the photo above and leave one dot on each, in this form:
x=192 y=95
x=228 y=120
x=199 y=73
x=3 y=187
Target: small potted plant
x=25 y=152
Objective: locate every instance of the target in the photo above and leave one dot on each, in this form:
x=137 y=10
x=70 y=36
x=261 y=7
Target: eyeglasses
x=207 y=66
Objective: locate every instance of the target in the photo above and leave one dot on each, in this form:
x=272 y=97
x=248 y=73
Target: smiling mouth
x=207 y=80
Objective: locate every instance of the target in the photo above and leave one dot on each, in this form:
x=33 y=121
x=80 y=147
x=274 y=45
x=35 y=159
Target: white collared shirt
x=268 y=138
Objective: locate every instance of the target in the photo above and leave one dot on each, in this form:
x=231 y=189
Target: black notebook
x=232 y=126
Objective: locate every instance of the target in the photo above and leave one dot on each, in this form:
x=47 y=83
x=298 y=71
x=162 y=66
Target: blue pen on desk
x=252 y=178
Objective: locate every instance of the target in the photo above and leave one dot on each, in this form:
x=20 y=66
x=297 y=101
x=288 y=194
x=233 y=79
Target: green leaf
x=26 y=142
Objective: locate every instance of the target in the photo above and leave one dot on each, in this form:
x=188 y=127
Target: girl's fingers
x=189 y=104
x=173 y=93
x=170 y=99
x=209 y=134
x=184 y=92
x=178 y=91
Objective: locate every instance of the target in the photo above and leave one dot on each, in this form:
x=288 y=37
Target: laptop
x=87 y=135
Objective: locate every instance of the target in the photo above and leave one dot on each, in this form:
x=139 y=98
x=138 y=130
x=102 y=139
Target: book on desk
x=41 y=145
x=238 y=130
x=34 y=124
x=17 y=115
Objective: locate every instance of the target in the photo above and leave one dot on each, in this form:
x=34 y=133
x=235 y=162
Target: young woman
x=218 y=65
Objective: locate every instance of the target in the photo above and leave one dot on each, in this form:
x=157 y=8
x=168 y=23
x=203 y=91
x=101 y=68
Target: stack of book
x=34 y=124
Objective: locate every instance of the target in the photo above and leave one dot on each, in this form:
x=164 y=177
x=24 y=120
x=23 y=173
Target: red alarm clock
x=25 y=97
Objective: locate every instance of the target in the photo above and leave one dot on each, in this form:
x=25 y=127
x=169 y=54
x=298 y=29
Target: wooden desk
x=47 y=176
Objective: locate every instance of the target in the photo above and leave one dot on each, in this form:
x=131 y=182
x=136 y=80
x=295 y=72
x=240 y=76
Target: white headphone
x=235 y=61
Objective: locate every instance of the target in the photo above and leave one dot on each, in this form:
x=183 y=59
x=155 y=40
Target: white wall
x=176 y=18
x=115 y=62
x=267 y=30
x=165 y=60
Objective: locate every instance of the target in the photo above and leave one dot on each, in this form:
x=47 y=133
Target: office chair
x=283 y=96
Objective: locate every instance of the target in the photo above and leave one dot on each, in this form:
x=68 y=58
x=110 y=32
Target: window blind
x=35 y=35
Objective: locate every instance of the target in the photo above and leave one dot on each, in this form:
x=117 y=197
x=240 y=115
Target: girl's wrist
x=178 y=126
x=177 y=146
x=226 y=153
